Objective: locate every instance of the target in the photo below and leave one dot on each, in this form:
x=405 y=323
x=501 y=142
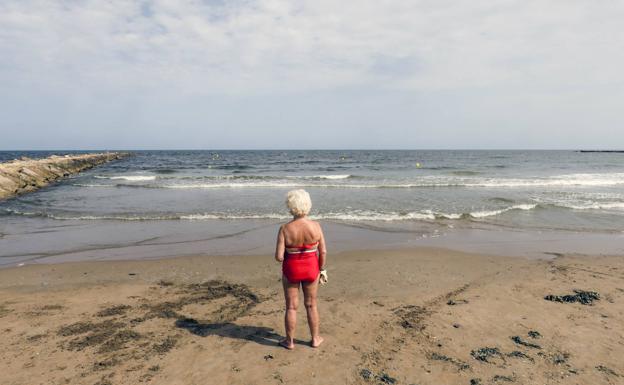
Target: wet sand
x=417 y=316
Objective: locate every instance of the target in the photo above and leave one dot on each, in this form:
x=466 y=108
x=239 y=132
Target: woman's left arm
x=280 y=245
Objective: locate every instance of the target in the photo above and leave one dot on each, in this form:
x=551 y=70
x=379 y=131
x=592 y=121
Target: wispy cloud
x=476 y=66
x=270 y=45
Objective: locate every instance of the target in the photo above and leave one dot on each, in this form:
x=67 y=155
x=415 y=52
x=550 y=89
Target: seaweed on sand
x=163 y=347
x=119 y=340
x=522 y=342
x=581 y=296
x=607 y=371
x=113 y=310
x=485 y=354
x=205 y=292
x=501 y=378
x=411 y=316
x=441 y=357
x=382 y=377
x=519 y=354
x=87 y=326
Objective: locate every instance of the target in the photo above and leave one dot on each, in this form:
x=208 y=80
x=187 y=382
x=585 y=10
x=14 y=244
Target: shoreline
x=158 y=240
x=421 y=315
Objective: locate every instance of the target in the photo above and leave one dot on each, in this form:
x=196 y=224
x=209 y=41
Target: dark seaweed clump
x=522 y=342
x=581 y=296
x=519 y=354
x=118 y=340
x=366 y=374
x=205 y=292
x=382 y=377
x=560 y=358
x=386 y=379
x=168 y=344
x=499 y=378
x=607 y=371
x=411 y=316
x=441 y=357
x=87 y=326
x=483 y=354
x=114 y=310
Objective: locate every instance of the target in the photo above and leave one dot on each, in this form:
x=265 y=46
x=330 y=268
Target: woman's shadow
x=259 y=334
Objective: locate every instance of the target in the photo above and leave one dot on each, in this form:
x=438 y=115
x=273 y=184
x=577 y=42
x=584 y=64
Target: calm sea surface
x=409 y=191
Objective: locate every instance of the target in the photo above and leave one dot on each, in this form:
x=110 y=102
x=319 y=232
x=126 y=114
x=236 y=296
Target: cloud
x=459 y=69
x=282 y=46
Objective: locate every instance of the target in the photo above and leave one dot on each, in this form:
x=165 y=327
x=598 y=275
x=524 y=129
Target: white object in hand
x=323 y=277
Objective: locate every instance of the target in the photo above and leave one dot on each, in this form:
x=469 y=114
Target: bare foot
x=288 y=345
x=316 y=342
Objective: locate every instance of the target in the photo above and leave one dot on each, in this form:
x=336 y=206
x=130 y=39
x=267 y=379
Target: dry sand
x=423 y=316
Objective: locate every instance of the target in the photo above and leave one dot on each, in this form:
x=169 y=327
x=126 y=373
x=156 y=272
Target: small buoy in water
x=418 y=165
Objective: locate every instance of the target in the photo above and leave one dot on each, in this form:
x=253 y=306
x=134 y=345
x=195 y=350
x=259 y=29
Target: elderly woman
x=301 y=249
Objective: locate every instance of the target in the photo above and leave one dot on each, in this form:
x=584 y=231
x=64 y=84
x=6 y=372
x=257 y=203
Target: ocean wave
x=302 y=181
x=119 y=217
x=345 y=176
x=490 y=213
x=353 y=216
x=131 y=178
x=581 y=180
x=591 y=205
x=234 y=216
x=93 y=185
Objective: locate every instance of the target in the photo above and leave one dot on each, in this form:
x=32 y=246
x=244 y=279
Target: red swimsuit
x=301 y=263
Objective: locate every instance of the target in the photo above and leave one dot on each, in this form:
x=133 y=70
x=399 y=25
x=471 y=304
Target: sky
x=271 y=74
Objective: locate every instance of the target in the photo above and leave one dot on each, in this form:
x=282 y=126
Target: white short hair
x=298 y=202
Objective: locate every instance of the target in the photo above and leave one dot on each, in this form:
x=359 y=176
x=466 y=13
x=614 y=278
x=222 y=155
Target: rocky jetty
x=25 y=175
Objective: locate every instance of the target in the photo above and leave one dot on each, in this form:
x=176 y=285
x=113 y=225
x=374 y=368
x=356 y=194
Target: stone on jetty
x=26 y=175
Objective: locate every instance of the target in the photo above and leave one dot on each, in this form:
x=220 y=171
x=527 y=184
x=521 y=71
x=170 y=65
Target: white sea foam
x=131 y=178
x=592 y=205
x=332 y=176
x=587 y=180
x=92 y=185
x=234 y=216
x=490 y=213
x=374 y=216
x=302 y=181
x=351 y=216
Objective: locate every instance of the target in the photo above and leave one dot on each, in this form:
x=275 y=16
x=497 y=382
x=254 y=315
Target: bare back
x=301 y=231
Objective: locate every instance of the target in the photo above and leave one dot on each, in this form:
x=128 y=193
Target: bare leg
x=309 y=297
x=291 y=294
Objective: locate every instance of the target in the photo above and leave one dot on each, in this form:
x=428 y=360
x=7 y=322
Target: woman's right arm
x=322 y=249
x=280 y=245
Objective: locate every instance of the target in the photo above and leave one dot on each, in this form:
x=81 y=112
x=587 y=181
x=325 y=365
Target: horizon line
x=317 y=149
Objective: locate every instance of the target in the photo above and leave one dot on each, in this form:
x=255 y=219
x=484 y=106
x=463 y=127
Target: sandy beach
x=417 y=316
x=464 y=160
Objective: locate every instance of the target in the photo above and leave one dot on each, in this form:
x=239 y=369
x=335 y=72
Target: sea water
x=199 y=194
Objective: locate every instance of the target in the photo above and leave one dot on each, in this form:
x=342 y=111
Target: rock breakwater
x=26 y=175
